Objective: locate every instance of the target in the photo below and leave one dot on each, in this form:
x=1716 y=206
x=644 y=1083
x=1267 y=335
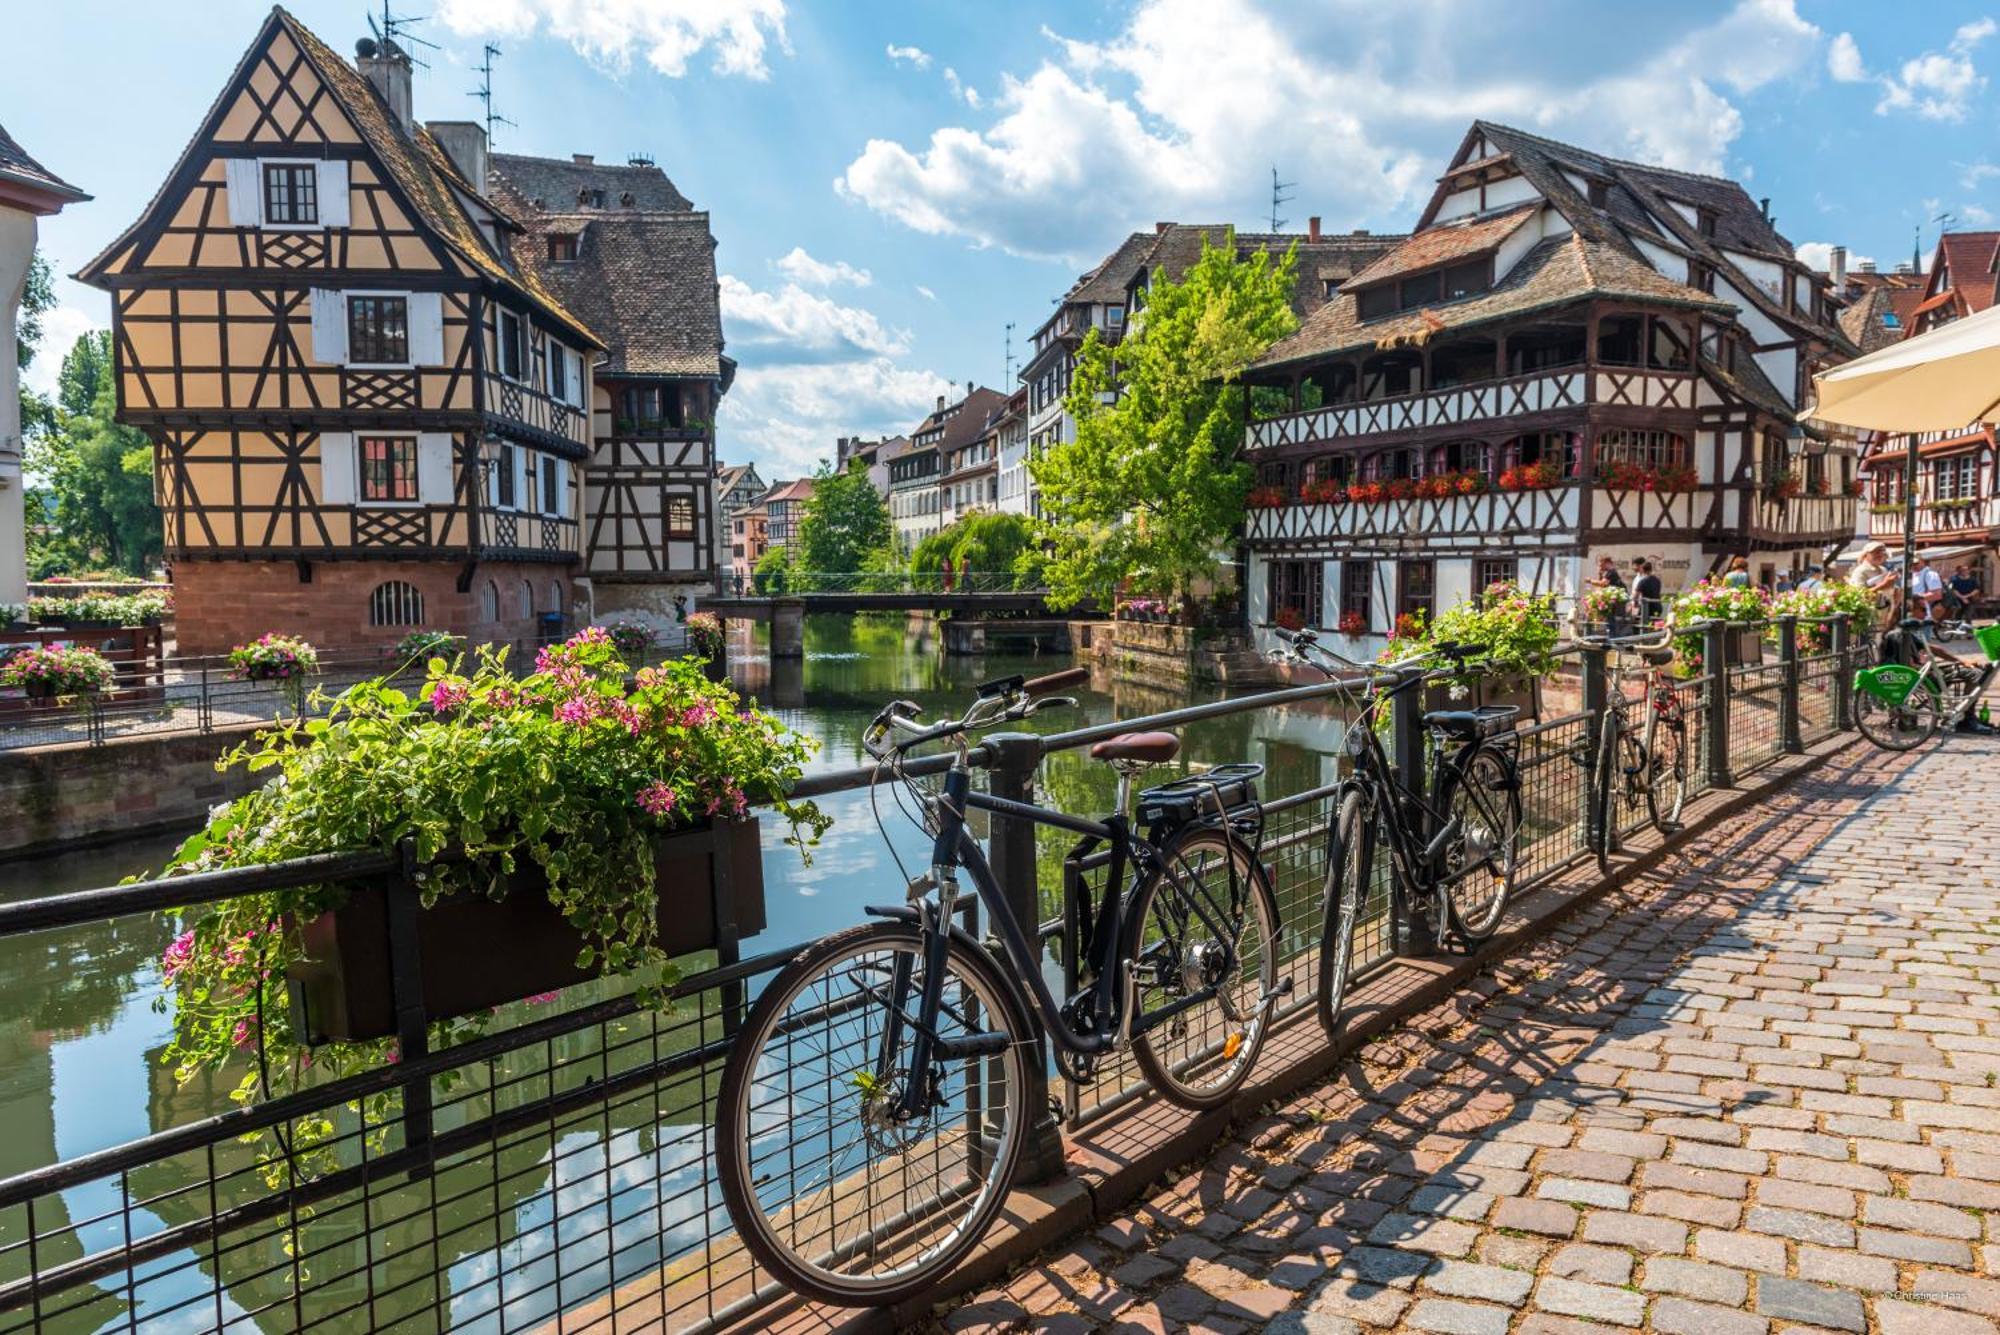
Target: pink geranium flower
x=656 y=798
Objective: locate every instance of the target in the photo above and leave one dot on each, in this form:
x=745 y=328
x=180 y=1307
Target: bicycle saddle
x=1150 y=748
x=1657 y=657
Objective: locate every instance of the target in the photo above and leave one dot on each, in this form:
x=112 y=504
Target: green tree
x=986 y=541
x=773 y=574
x=98 y=474
x=38 y=298
x=843 y=522
x=1155 y=481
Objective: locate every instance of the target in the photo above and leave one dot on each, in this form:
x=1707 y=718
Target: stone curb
x=1114 y=1163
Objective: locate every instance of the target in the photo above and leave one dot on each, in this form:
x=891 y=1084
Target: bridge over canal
x=972 y=595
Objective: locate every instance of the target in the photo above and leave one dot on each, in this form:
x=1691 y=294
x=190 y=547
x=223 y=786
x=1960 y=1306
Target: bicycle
x=869 y=1121
x=1651 y=762
x=1900 y=706
x=1454 y=850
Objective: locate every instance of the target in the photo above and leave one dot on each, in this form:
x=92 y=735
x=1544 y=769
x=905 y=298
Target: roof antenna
x=1007 y=377
x=485 y=92
x=1279 y=196
x=394 y=30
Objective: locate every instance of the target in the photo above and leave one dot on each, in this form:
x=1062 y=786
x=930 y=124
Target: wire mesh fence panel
x=1821 y=674
x=1695 y=697
x=1555 y=776
x=1755 y=738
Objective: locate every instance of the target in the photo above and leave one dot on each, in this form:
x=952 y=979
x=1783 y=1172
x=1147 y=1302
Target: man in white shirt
x=1926 y=593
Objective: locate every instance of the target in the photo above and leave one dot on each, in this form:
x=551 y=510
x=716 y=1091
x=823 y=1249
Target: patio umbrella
x=1939 y=381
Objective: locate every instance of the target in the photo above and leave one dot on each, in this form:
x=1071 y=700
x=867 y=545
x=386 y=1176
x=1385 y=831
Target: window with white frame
x=388 y=470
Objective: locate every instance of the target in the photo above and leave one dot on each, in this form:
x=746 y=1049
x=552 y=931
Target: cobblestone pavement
x=1752 y=1092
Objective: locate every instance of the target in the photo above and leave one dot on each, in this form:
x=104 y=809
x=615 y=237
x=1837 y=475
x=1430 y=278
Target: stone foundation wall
x=57 y=797
x=221 y=604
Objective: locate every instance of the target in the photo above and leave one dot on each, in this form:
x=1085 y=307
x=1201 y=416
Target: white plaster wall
x=1666 y=261
x=17 y=249
x=1764 y=273
x=1513 y=190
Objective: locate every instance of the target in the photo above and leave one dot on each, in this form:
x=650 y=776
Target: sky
x=892 y=185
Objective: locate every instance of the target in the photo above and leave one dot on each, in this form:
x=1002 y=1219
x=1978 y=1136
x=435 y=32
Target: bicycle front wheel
x=1903 y=727
x=1350 y=857
x=1479 y=867
x=1204 y=922
x=838 y=1196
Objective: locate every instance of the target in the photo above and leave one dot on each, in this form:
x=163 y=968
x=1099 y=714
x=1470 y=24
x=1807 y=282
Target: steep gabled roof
x=798 y=490
x=412 y=160
x=553 y=185
x=1446 y=243
x=963 y=421
x=1964 y=268
x=645 y=280
x=1555 y=272
x=1177 y=247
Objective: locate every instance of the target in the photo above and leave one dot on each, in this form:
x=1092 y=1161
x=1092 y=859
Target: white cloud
x=1103 y=137
x=961 y=90
x=1975 y=173
x=1939 y=85
x=787 y=417
x=803 y=268
x=794 y=325
x=911 y=55
x=61 y=328
x=1974 y=213
x=666 y=34
x=1819 y=254
x=1843 y=60
x=926 y=293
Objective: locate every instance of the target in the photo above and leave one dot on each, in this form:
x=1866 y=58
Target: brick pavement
x=1753 y=1091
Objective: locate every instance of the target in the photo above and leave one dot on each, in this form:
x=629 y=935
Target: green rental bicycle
x=1900 y=706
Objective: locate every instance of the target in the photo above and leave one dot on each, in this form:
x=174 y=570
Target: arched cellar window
x=489 y=601
x=527 y=599
x=1647 y=449
x=555 y=597
x=395 y=603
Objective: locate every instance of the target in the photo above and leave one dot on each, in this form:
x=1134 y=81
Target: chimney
x=1361 y=231
x=384 y=65
x=940 y=406
x=1836 y=267
x=464 y=142
x=1866 y=266
x=584 y=159
x=1903 y=266
x=1312 y=229
x=1764 y=207
x=1160 y=228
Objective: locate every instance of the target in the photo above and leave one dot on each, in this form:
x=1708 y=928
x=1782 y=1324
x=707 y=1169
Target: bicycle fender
x=908 y=913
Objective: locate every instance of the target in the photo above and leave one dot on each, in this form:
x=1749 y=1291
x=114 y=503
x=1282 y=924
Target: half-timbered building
x=736 y=487
x=1571 y=356
x=366 y=417
x=622 y=247
x=1958 y=472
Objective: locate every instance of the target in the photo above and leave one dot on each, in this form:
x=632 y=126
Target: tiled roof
x=645 y=281
x=1108 y=281
x=1176 y=248
x=1968 y=260
x=1443 y=244
x=967 y=423
x=1558 y=271
x=552 y=185
x=17 y=165
x=800 y=490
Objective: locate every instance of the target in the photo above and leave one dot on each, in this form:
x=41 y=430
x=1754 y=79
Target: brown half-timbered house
x=623 y=248
x=1570 y=356
x=366 y=417
x=1958 y=472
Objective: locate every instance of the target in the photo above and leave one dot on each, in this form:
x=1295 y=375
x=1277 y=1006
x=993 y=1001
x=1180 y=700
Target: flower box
x=477 y=953
x=1743 y=646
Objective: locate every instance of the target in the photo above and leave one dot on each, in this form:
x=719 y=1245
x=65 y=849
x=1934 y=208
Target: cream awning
x=1938 y=381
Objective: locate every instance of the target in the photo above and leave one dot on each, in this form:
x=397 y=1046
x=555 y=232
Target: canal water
x=81 y=1034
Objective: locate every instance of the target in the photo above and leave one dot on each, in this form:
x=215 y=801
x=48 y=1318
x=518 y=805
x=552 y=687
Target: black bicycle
x=1454 y=848
x=1639 y=763
x=870 y=1117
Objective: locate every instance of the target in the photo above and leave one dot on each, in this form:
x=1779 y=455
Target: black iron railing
x=561 y=1164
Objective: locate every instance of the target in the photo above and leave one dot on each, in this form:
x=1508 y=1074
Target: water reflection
x=563 y=1209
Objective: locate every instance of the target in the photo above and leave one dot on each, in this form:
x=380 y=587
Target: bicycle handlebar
x=1007 y=700
x=1054 y=681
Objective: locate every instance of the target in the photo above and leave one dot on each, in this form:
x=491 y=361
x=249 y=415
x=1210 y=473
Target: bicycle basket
x=1216 y=793
x=1989 y=641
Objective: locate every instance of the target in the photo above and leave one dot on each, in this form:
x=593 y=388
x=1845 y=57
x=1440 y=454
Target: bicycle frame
x=954 y=848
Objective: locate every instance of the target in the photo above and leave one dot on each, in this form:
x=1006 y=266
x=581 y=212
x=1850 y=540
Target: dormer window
x=562 y=249
x=625 y=201
x=1704 y=222
x=1600 y=194
x=291 y=193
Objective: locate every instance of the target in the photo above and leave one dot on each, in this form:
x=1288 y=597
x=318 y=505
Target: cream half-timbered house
x=621 y=247
x=366 y=418
x=1571 y=356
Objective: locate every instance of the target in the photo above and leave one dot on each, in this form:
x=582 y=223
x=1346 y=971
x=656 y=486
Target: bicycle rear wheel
x=829 y=1191
x=1350 y=858
x=1903 y=727
x=1479 y=866
x=1665 y=763
x=1207 y=918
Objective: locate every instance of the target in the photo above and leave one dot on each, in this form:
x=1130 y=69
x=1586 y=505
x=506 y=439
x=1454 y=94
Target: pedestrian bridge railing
x=559 y=1163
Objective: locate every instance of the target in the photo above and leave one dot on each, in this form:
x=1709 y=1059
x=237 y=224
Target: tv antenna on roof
x=394 y=30
x=485 y=92
x=1008 y=377
x=1279 y=195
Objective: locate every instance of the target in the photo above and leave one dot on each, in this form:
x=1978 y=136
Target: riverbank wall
x=57 y=798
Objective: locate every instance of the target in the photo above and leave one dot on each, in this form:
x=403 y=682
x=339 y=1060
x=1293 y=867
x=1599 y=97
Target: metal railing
x=561 y=1164
x=194 y=695
x=888 y=582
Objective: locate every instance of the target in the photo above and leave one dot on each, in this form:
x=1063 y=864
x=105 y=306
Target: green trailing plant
x=422 y=645
x=573 y=769
x=273 y=657
x=1508 y=631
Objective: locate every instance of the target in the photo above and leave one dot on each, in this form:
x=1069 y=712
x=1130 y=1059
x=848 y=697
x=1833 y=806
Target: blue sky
x=892 y=184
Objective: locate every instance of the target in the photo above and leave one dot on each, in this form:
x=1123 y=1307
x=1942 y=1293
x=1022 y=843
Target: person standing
x=1812 y=579
x=1738 y=575
x=1608 y=578
x=1926 y=593
x=1784 y=582
x=1649 y=603
x=1872 y=573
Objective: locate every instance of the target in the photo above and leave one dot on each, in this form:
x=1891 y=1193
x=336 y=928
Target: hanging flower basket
x=475 y=953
